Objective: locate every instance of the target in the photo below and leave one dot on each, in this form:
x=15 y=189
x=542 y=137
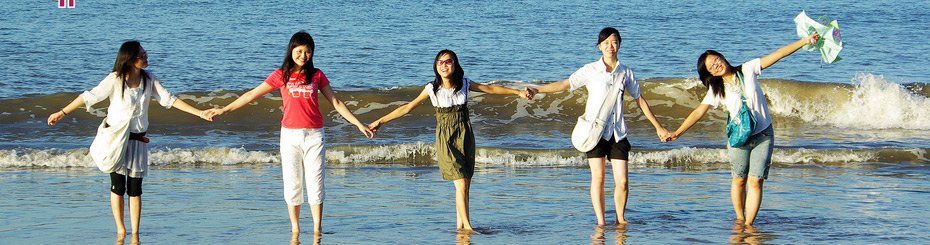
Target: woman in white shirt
x=732 y=86
x=129 y=88
x=455 y=142
x=597 y=77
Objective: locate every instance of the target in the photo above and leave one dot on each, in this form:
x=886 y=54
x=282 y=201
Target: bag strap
x=611 y=100
x=741 y=84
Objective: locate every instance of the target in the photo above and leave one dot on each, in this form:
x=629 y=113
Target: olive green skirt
x=455 y=143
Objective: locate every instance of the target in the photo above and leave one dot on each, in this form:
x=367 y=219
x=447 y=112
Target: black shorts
x=121 y=184
x=611 y=149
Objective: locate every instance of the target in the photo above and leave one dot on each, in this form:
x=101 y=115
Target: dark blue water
x=210 y=45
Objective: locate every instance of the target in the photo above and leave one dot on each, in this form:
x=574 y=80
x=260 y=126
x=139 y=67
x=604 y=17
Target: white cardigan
x=121 y=103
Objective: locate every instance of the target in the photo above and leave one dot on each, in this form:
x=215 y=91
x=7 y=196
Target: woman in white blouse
x=455 y=142
x=129 y=88
x=597 y=77
x=734 y=87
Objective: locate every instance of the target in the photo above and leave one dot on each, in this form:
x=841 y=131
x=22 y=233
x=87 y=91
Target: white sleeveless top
x=448 y=97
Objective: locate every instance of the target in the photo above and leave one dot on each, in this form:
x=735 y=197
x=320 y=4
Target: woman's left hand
x=813 y=39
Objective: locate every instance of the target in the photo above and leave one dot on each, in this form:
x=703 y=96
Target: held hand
x=365 y=130
x=55 y=117
x=205 y=116
x=528 y=93
x=673 y=136
x=663 y=134
x=209 y=114
x=374 y=126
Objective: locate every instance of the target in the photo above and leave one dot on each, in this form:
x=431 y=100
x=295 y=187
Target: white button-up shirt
x=122 y=102
x=597 y=80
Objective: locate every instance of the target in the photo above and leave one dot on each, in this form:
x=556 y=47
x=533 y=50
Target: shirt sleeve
x=321 y=78
x=100 y=92
x=161 y=94
x=710 y=99
x=275 y=79
x=578 y=79
x=632 y=86
x=754 y=66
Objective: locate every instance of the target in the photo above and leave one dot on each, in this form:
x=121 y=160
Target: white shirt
x=597 y=80
x=447 y=97
x=122 y=105
x=755 y=98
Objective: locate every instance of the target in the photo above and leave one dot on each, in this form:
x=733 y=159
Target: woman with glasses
x=455 y=142
x=130 y=89
x=735 y=87
x=597 y=77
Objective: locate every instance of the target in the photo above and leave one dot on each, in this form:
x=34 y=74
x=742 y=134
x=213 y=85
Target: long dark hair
x=714 y=83
x=606 y=32
x=298 y=39
x=125 y=62
x=457 y=75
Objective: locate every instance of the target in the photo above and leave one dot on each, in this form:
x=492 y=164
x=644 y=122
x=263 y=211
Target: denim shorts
x=755 y=157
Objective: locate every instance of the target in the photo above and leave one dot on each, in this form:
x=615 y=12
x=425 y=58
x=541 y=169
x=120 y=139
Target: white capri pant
x=302 y=157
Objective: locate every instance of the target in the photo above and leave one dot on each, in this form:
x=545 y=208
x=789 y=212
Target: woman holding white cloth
x=130 y=89
x=597 y=77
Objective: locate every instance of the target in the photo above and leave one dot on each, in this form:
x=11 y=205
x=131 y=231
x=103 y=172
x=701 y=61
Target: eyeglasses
x=718 y=62
x=143 y=55
x=444 y=62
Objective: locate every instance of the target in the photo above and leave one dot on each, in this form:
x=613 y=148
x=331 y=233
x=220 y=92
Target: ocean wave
x=869 y=102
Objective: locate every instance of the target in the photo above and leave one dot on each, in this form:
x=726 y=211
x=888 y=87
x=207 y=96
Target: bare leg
x=293 y=212
x=622 y=190
x=317 y=212
x=598 y=166
x=753 y=199
x=135 y=214
x=461 y=203
x=738 y=196
x=116 y=204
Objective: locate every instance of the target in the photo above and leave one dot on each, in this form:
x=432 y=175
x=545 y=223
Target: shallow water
x=393 y=204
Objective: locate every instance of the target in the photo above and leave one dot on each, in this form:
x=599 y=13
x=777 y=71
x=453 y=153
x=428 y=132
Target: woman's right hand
x=55 y=117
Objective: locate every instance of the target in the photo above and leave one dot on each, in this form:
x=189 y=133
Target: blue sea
x=851 y=161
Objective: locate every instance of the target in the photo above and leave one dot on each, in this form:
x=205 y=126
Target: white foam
x=422 y=153
x=872 y=103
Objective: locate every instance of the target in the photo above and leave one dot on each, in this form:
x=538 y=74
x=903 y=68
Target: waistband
x=453 y=109
x=139 y=137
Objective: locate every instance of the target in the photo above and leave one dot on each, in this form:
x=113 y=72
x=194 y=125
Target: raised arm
x=400 y=111
x=660 y=131
x=344 y=111
x=789 y=49
x=693 y=118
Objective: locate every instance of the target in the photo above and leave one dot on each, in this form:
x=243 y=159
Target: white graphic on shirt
x=301 y=90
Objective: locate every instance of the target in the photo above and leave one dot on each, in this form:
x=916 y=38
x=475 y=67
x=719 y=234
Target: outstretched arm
x=526 y=93
x=770 y=59
x=58 y=115
x=660 y=131
x=183 y=106
x=554 y=87
x=693 y=118
x=243 y=100
x=344 y=111
x=400 y=111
